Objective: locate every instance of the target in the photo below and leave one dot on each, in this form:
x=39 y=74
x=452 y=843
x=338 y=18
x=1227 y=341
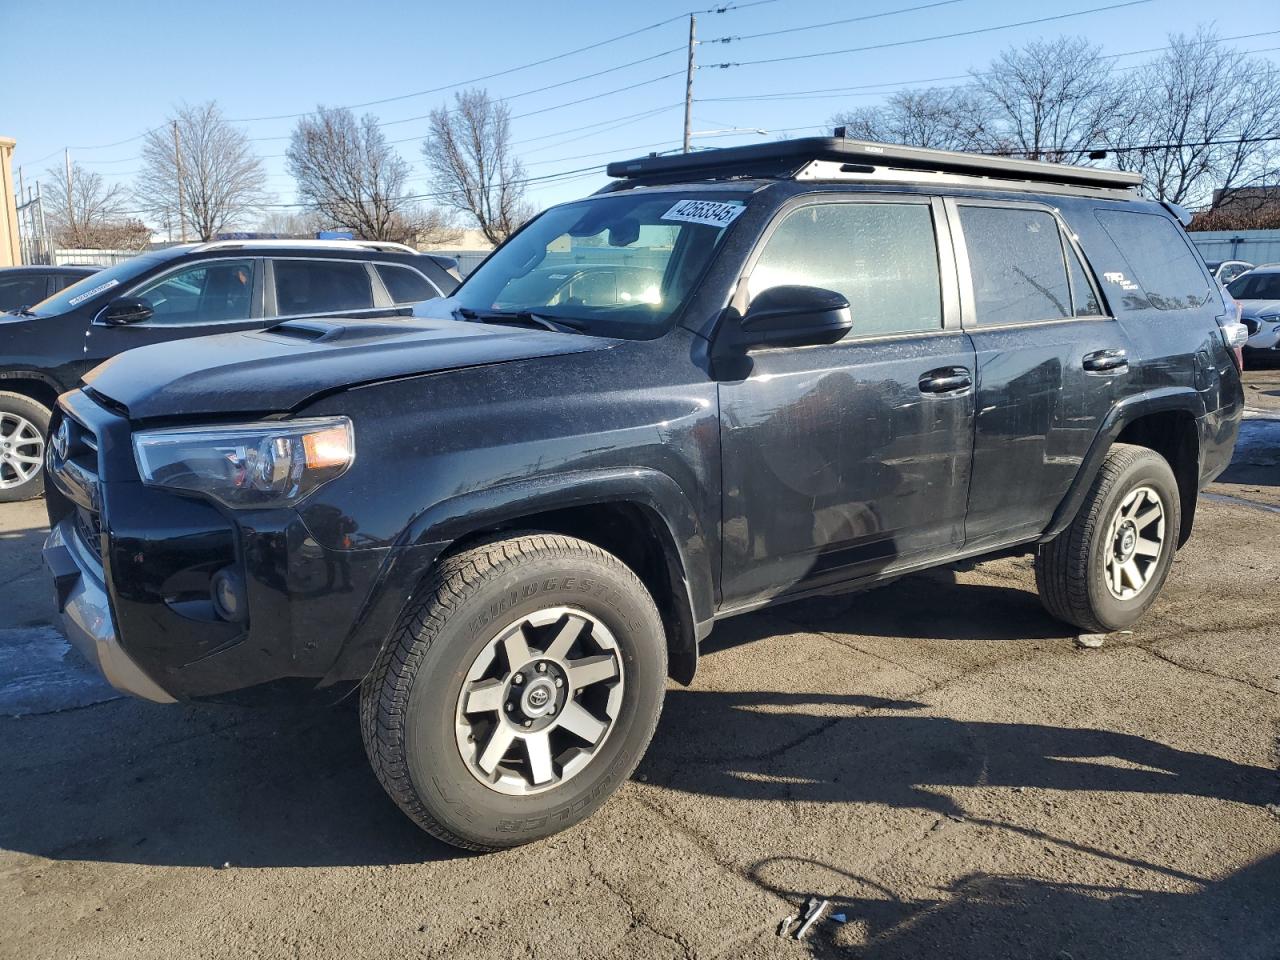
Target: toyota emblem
x=62 y=440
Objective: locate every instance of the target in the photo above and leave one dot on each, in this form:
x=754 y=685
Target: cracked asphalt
x=937 y=757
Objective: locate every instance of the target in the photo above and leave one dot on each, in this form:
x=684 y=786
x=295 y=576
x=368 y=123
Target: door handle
x=945 y=380
x=1106 y=361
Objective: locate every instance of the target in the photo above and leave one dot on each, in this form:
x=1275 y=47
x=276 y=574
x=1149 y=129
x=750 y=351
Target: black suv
x=185 y=291
x=510 y=524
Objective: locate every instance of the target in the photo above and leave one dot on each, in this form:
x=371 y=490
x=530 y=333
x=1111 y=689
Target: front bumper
x=86 y=616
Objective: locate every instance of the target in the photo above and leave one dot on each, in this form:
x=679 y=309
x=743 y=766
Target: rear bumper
x=86 y=616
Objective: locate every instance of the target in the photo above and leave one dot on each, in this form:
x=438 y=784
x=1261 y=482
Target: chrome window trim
x=375 y=284
x=257 y=304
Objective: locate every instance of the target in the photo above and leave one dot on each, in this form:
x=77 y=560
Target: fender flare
x=36 y=375
x=457 y=517
x=442 y=524
x=1127 y=411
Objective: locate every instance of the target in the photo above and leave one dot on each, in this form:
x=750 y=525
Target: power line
x=834 y=23
x=941 y=36
x=726 y=8
x=875 y=87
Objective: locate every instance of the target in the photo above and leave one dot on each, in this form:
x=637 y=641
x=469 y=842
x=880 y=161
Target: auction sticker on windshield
x=93 y=293
x=709 y=212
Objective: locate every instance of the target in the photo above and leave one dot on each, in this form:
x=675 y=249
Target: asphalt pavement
x=938 y=757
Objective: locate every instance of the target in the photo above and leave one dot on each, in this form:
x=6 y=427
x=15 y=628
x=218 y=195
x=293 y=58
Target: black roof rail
x=787 y=159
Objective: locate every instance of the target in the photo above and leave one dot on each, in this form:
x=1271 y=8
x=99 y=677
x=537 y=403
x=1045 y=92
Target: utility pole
x=688 y=83
x=177 y=160
x=71 y=216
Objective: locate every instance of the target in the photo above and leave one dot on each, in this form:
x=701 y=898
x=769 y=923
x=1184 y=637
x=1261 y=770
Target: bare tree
x=82 y=210
x=199 y=170
x=1201 y=117
x=468 y=153
x=349 y=176
x=293 y=223
x=1052 y=100
x=944 y=118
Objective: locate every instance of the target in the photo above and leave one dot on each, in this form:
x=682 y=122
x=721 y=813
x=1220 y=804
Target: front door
x=196 y=299
x=848 y=460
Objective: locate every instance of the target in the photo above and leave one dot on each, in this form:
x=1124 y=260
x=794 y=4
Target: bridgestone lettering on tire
x=1104 y=571
x=472 y=718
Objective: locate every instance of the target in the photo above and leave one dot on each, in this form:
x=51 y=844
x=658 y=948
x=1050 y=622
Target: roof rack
x=383 y=246
x=839 y=158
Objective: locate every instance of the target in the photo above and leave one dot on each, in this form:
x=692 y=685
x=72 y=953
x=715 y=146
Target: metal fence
x=35 y=244
x=101 y=258
x=1255 y=246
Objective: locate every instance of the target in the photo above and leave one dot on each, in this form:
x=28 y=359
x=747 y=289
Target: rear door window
x=1016 y=261
x=1169 y=274
x=882 y=256
x=305 y=287
x=405 y=284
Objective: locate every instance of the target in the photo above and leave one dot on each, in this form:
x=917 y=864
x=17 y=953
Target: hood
x=281 y=368
x=1259 y=308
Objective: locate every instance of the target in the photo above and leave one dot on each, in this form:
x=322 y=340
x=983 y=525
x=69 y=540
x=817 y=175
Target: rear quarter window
x=1164 y=272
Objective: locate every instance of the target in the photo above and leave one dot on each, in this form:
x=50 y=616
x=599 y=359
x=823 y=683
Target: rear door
x=1051 y=362
x=845 y=460
x=193 y=299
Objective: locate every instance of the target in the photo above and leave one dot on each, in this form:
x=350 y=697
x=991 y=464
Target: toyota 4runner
x=729 y=379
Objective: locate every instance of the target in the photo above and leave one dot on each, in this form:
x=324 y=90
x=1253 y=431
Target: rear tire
x=1104 y=571
x=24 y=428
x=482 y=760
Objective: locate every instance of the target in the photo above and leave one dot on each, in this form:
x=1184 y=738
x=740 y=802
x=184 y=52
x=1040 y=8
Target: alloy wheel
x=21 y=450
x=539 y=702
x=1134 y=543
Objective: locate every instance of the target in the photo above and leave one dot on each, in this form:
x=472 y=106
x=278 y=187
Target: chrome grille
x=82 y=459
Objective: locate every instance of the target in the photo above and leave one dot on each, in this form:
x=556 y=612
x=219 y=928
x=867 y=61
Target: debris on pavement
x=1091 y=640
x=785 y=925
x=816 y=909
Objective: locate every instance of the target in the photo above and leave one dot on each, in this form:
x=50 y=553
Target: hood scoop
x=316 y=330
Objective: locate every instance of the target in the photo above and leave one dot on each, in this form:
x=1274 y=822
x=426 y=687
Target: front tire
x=1104 y=571
x=24 y=425
x=518 y=693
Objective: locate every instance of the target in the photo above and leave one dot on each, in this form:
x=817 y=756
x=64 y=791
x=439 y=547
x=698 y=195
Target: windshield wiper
x=558 y=325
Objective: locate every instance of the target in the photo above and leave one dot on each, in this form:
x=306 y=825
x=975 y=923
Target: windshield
x=1255 y=286
x=617 y=266
x=93 y=285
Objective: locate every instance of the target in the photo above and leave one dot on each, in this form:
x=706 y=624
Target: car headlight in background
x=247 y=465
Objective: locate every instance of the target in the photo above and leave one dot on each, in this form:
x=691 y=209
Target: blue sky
x=100 y=73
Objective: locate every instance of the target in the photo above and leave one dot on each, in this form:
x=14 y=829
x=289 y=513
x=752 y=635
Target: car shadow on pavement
x=933 y=605
x=982 y=916
x=826 y=748
x=203 y=785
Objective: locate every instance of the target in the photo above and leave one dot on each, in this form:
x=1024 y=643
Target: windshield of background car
x=94 y=285
x=1255 y=286
x=620 y=266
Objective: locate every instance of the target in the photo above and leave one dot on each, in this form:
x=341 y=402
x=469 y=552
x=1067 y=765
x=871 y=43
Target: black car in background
x=27 y=286
x=182 y=292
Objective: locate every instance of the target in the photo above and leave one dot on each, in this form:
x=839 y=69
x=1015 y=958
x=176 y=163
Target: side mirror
x=126 y=310
x=795 y=316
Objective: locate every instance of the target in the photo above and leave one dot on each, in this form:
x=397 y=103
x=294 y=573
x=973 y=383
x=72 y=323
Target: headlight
x=247 y=465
